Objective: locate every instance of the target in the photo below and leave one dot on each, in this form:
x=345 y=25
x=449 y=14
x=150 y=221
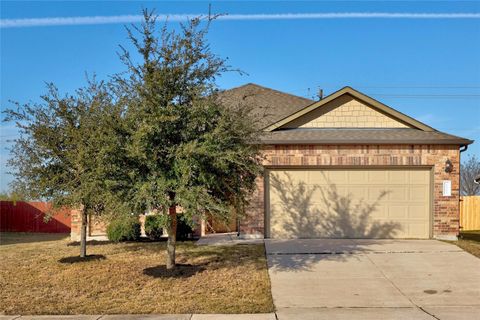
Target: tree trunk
x=172 y=235
x=83 y=234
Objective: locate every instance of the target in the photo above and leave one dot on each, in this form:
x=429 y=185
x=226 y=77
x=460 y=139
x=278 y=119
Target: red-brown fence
x=23 y=216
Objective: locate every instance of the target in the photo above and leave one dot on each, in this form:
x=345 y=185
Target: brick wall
x=76 y=225
x=445 y=209
x=98 y=227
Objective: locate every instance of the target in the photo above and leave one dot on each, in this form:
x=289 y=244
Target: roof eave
x=459 y=142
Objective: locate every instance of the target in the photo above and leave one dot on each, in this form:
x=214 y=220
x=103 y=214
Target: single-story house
x=349 y=166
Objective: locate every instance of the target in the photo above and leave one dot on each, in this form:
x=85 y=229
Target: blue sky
x=426 y=68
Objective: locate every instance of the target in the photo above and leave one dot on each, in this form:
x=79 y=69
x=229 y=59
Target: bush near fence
x=470 y=213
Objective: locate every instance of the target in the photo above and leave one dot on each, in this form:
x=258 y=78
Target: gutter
x=366 y=142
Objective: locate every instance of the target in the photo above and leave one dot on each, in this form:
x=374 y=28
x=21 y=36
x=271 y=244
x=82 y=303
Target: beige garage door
x=348 y=203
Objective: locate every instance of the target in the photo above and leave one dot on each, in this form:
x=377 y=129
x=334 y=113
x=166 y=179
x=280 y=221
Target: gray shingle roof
x=360 y=136
x=269 y=105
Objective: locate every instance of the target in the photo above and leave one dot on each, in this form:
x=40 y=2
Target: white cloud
x=432 y=119
x=95 y=20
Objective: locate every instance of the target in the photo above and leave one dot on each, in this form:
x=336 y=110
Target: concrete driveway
x=373 y=279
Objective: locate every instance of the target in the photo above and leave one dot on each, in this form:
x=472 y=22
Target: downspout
x=465 y=147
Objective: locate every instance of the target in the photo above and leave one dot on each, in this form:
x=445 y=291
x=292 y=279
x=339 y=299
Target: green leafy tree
x=185 y=149
x=67 y=150
x=469 y=171
x=13 y=195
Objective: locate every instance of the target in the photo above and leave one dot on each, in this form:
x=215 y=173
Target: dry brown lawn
x=470 y=242
x=470 y=246
x=39 y=276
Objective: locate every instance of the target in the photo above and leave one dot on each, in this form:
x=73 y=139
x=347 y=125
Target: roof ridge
x=270 y=89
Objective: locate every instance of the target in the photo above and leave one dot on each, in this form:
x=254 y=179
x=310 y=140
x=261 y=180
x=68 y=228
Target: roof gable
x=346 y=112
x=348 y=108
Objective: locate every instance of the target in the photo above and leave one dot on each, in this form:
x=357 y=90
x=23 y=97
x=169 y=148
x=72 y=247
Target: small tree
x=67 y=148
x=184 y=149
x=13 y=195
x=470 y=169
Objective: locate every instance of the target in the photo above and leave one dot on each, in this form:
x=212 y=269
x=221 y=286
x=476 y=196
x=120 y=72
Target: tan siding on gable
x=338 y=99
x=353 y=114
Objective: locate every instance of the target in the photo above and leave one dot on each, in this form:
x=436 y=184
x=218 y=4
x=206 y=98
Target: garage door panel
x=378 y=212
x=415 y=229
x=377 y=177
x=357 y=192
x=397 y=193
x=336 y=203
x=420 y=177
x=318 y=194
x=398 y=177
x=416 y=212
x=376 y=192
x=295 y=176
x=357 y=177
x=418 y=193
x=288 y=222
x=336 y=176
x=337 y=190
x=317 y=178
x=396 y=212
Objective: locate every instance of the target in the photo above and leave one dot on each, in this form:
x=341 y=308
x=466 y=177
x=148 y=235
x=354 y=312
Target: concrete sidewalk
x=257 y=316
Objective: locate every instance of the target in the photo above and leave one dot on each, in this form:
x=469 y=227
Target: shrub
x=154 y=225
x=184 y=230
x=124 y=229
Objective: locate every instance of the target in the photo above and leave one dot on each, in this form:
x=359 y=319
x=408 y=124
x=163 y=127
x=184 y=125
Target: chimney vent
x=320 y=94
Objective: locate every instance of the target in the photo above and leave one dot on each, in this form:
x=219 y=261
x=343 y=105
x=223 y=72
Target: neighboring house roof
x=268 y=105
x=360 y=136
x=289 y=119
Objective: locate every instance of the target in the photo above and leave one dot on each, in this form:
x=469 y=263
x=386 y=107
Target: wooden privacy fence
x=470 y=212
x=23 y=216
